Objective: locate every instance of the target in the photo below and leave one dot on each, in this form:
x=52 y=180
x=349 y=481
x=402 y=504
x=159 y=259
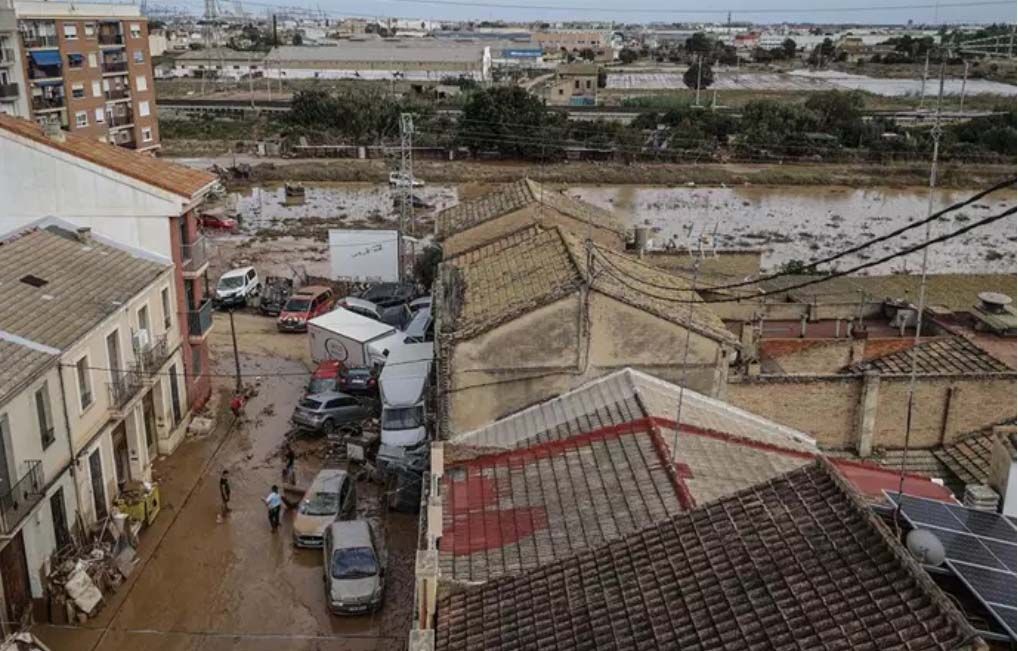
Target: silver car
x=324 y=412
x=332 y=496
x=354 y=570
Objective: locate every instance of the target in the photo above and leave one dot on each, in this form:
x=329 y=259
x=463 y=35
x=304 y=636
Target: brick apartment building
x=88 y=66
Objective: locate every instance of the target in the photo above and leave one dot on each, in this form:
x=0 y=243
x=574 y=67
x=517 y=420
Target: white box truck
x=403 y=388
x=351 y=338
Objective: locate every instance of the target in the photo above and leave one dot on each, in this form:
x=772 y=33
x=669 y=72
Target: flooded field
x=803 y=223
x=808 y=80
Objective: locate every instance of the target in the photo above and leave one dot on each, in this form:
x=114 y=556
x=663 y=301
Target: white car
x=399 y=180
x=236 y=286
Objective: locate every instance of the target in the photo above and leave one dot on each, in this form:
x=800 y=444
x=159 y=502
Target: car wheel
x=329 y=426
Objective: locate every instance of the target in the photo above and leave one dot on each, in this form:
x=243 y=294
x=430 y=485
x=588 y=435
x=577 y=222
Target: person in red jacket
x=237 y=405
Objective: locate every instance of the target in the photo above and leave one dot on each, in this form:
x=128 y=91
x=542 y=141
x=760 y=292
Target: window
x=141 y=83
x=561 y=92
x=135 y=30
x=143 y=109
x=81 y=119
x=77 y=91
x=75 y=61
x=42 y=410
x=576 y=83
x=143 y=317
x=146 y=136
x=84 y=383
x=100 y=115
x=97 y=90
x=164 y=295
x=139 y=56
x=93 y=61
x=90 y=30
x=70 y=32
x=588 y=84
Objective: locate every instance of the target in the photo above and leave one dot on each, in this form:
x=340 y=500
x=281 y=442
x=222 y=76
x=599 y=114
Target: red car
x=217 y=221
x=325 y=379
x=306 y=304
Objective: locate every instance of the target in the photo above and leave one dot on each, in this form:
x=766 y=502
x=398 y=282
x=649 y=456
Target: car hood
x=296 y=316
x=403 y=437
x=227 y=293
x=311 y=525
x=353 y=590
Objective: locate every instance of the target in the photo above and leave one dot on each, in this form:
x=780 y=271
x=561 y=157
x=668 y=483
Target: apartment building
x=12 y=83
x=136 y=200
x=91 y=387
x=88 y=68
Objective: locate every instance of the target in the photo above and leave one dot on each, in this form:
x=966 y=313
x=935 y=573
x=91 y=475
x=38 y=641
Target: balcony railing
x=6 y=56
x=8 y=90
x=199 y=321
x=118 y=93
x=106 y=38
x=124 y=119
x=126 y=383
x=114 y=67
x=155 y=355
x=194 y=255
x=39 y=40
x=17 y=502
x=46 y=103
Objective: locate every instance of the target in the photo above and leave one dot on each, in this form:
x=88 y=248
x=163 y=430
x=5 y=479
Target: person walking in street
x=224 y=491
x=275 y=504
x=289 y=474
x=237 y=405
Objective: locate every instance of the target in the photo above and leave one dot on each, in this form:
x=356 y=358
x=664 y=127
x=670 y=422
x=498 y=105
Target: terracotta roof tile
x=970 y=458
x=178 y=179
x=798 y=562
x=940 y=356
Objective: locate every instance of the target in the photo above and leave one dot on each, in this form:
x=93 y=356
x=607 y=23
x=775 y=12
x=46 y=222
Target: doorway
x=59 y=512
x=14 y=571
x=95 y=469
x=175 y=396
x=121 y=455
x=148 y=408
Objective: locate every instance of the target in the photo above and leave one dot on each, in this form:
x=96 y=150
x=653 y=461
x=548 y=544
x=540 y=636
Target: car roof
x=327 y=478
x=239 y=271
x=329 y=395
x=353 y=301
x=312 y=290
x=350 y=533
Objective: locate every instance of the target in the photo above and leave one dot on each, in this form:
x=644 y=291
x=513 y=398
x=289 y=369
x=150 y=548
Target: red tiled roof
x=879 y=347
x=798 y=562
x=178 y=179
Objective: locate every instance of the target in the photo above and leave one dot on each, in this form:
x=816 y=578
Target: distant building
x=575 y=84
x=219 y=63
x=382 y=59
x=157 y=42
x=89 y=68
x=574 y=42
x=13 y=93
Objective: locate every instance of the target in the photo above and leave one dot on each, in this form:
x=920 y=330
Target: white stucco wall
x=39 y=534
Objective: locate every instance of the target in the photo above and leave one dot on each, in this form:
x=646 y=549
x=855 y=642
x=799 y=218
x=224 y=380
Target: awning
x=45 y=57
x=48 y=82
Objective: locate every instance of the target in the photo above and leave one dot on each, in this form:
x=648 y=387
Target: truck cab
x=404 y=386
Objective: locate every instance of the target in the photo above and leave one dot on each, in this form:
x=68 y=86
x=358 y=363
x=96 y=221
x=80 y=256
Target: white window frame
x=86 y=397
x=97 y=88
x=93 y=60
x=89 y=30
x=44 y=414
x=78 y=87
x=146 y=134
x=143 y=109
x=138 y=56
x=70 y=32
x=164 y=294
x=81 y=119
x=100 y=115
x=135 y=30
x=141 y=83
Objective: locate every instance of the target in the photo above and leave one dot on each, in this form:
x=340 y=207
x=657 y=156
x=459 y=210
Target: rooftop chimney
x=83 y=234
x=993 y=302
x=52 y=130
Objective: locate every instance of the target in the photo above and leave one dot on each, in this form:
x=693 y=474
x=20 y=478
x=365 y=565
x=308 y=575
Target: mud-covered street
x=210 y=586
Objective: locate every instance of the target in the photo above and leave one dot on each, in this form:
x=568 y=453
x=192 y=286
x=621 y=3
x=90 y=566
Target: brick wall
x=199 y=386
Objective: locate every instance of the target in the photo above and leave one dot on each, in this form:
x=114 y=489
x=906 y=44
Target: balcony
x=125 y=385
x=110 y=38
x=31 y=41
x=114 y=67
x=41 y=103
x=116 y=120
x=117 y=93
x=193 y=257
x=18 y=502
x=123 y=138
x=154 y=355
x=199 y=321
x=6 y=56
x=9 y=91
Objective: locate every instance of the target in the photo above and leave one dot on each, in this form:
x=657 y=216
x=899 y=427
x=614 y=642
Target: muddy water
x=810 y=222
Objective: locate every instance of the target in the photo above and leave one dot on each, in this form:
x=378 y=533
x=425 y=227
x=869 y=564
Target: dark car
x=358 y=381
x=275 y=293
x=389 y=294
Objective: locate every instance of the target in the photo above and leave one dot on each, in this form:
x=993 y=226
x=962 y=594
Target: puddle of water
x=265 y=206
x=808 y=223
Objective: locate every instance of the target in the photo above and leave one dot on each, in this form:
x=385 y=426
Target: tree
x=628 y=55
x=789 y=47
x=507 y=119
x=298 y=39
x=698 y=75
x=587 y=54
x=699 y=43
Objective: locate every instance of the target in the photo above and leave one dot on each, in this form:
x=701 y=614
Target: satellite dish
x=925 y=547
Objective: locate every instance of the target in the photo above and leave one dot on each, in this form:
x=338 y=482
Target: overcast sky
x=759 y=11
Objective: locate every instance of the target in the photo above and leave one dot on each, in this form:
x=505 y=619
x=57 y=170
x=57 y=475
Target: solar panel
x=968 y=548
x=1005 y=553
x=993 y=587
x=981 y=523
x=1006 y=616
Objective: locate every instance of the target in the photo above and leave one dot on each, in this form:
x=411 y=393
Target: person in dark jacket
x=224 y=491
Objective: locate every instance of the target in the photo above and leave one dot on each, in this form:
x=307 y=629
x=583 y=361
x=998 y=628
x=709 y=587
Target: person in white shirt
x=275 y=504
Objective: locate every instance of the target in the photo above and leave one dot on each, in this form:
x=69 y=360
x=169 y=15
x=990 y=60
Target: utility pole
x=926 y=74
x=236 y=353
x=405 y=185
x=964 y=80
x=699 y=75
x=275 y=32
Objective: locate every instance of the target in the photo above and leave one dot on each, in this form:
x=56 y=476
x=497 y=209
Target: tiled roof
x=794 y=563
x=178 y=179
x=84 y=284
x=19 y=364
x=515 y=196
x=969 y=458
x=941 y=356
x=531 y=268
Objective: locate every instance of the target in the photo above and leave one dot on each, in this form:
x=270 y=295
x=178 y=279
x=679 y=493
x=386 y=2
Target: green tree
x=699 y=43
x=298 y=39
x=587 y=54
x=789 y=47
x=700 y=74
x=628 y=55
x=507 y=119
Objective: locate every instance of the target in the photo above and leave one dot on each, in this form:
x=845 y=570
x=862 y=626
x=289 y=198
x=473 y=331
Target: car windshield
x=308 y=403
x=321 y=385
x=297 y=305
x=357 y=373
x=231 y=282
x=321 y=504
x=354 y=563
x=402 y=418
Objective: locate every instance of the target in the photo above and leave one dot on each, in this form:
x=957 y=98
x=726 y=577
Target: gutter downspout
x=70 y=442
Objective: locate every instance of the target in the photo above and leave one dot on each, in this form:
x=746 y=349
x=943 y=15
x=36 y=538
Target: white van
x=403 y=388
x=236 y=286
